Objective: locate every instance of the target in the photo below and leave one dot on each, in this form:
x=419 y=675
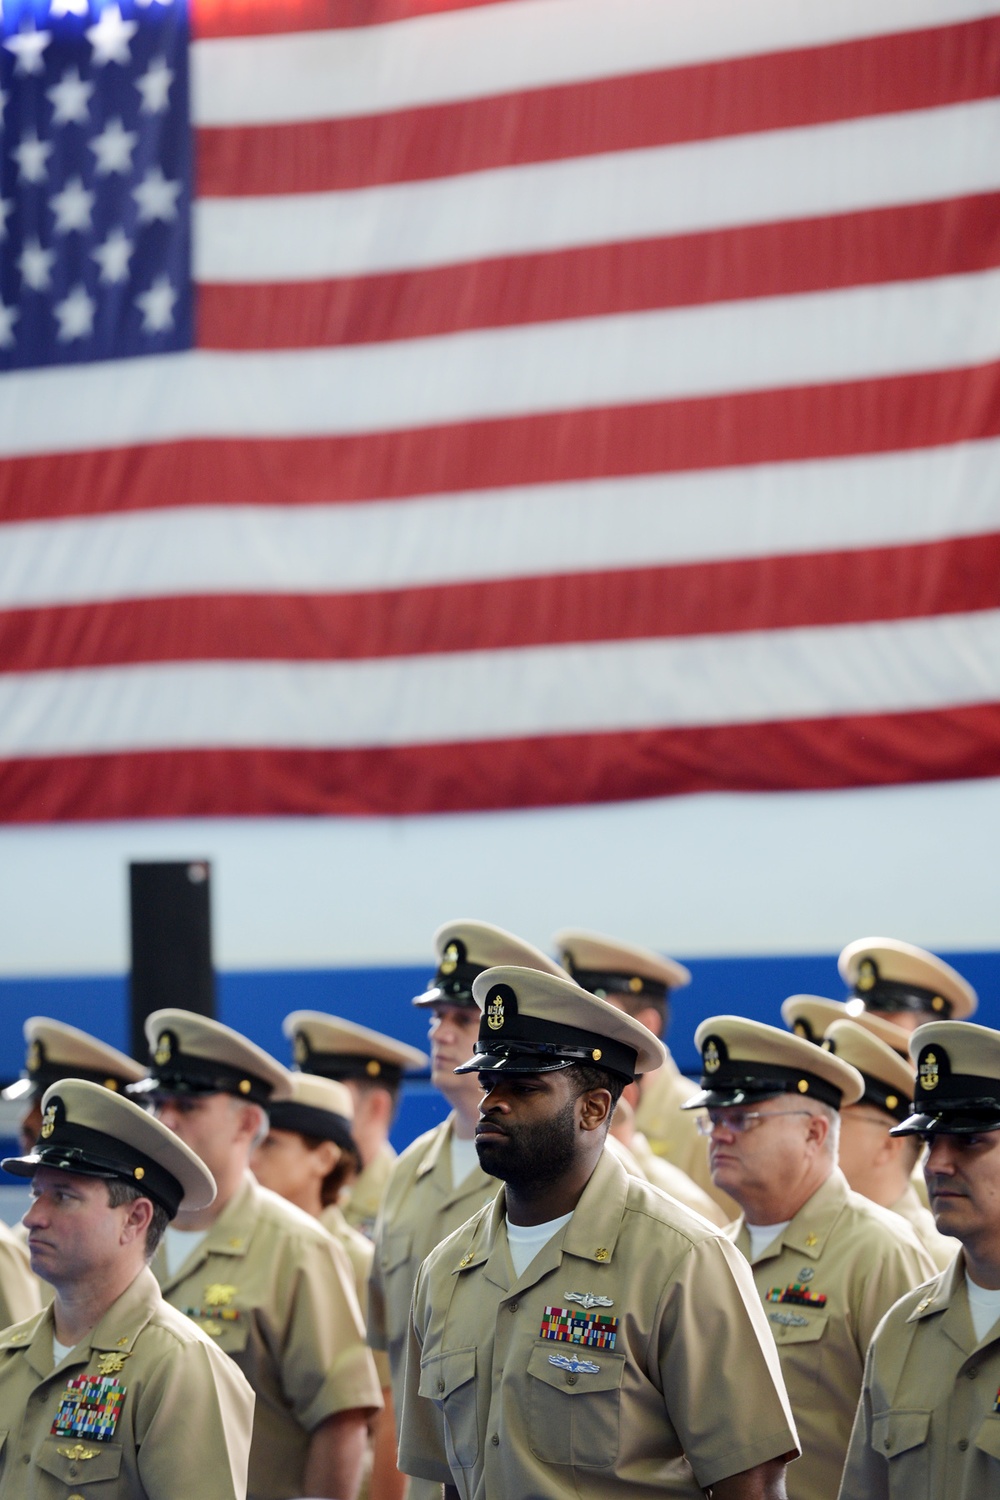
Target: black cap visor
x=91 y=1154
x=965 y=1120
x=726 y=1096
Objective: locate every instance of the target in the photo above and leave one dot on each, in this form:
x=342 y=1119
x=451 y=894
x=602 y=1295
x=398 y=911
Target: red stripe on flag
x=803 y=422
x=220 y=18
x=784 y=90
x=915 y=242
x=875 y=750
x=774 y=593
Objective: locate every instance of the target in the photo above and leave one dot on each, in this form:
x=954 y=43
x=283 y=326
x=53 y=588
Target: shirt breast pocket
x=228 y=1328
x=574 y=1416
x=449 y=1380
x=790 y=1326
x=83 y=1466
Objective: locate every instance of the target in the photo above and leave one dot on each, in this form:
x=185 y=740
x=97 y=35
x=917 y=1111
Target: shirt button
x=495 y=1440
x=972 y=1372
x=571 y=1380
x=26 y=1458
x=887 y=1442
x=512 y=1307
x=963 y=1443
x=440 y=1385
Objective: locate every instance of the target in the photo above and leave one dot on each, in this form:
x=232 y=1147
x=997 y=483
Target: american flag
x=451 y=405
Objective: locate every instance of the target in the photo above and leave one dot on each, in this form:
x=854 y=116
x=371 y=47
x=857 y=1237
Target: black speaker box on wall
x=171 y=941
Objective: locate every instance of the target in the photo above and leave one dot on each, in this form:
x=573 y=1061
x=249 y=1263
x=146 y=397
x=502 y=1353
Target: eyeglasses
x=739 y=1121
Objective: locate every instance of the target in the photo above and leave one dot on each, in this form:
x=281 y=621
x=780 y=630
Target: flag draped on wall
x=421 y=407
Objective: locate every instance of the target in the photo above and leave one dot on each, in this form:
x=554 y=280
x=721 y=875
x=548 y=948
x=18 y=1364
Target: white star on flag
x=32 y=156
x=72 y=207
x=8 y=317
x=111 y=36
x=76 y=315
x=70 y=97
x=156 y=197
x=154 y=86
x=27 y=47
x=113 y=256
x=69 y=7
x=6 y=209
x=157 y=306
x=113 y=149
x=36 y=265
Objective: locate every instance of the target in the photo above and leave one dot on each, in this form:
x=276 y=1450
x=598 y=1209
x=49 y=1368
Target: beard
x=532 y=1154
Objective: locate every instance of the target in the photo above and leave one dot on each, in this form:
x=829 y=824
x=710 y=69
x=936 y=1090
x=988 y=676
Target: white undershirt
x=525 y=1240
x=60 y=1351
x=463 y=1158
x=984 y=1305
x=762 y=1235
x=178 y=1245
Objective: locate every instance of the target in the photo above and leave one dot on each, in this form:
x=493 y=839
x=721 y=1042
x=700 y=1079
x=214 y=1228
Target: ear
x=136 y=1221
x=649 y=1017
x=817 y=1130
x=595 y=1109
x=632 y=1094
x=325 y=1157
x=250 y=1122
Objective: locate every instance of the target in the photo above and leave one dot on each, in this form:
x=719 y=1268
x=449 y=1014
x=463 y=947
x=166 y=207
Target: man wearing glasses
x=827 y=1263
x=928 y=1422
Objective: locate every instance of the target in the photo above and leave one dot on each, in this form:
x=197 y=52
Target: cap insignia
x=34 y=1060
x=48 y=1122
x=867 y=975
x=930 y=1077
x=494 y=1010
x=711 y=1058
x=449 y=961
x=300 y=1048
x=164 y=1049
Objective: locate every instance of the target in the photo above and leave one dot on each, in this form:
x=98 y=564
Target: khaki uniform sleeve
x=719 y=1366
x=717 y=1356
x=865 y=1472
x=326 y=1366
x=422 y=1451
x=193 y=1426
x=377 y=1336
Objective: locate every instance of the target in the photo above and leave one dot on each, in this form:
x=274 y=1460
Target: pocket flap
x=602 y=1370
x=443 y=1373
x=76 y=1461
x=897 y=1431
x=792 y=1326
x=988 y=1437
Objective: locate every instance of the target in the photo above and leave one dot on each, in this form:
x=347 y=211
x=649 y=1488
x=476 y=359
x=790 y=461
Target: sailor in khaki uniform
x=877 y=1163
x=261 y=1278
x=20 y=1295
x=640 y=982
x=372 y=1066
x=438 y=1183
x=110 y=1391
x=928 y=1422
x=827 y=1263
x=54 y=1051
x=903 y=983
x=583 y=1334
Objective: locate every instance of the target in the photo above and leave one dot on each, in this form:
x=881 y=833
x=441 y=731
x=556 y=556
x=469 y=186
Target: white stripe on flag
x=748 y=678
x=497 y=49
x=916 y=157
x=761 y=511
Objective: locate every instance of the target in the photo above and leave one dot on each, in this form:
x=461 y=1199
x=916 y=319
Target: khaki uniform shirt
x=941 y=1248
x=20 y=1289
x=360 y=1253
x=363 y=1199
x=927 y=1426
x=673 y=1132
x=177 y=1414
x=274 y=1291
x=850 y=1260
x=672 y=1356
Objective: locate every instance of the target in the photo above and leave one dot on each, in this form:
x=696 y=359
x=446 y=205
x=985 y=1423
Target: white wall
x=705 y=875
